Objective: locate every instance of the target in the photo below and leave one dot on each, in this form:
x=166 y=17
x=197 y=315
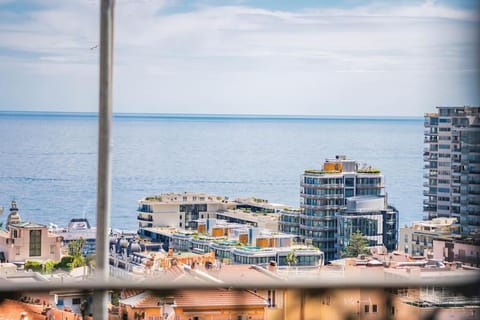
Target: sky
x=304 y=57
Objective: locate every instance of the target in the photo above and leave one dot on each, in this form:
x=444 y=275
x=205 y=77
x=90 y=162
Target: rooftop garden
x=314 y=171
x=150 y=198
x=368 y=170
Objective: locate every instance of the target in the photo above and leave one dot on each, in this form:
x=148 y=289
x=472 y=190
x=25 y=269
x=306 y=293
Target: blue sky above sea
x=329 y=58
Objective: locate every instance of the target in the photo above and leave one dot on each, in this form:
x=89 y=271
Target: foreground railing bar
x=104 y=157
x=96 y=285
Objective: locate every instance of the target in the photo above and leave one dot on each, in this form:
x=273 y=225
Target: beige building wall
x=16 y=244
x=332 y=304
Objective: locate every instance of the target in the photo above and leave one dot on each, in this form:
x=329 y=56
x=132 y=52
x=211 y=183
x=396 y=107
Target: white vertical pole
x=104 y=155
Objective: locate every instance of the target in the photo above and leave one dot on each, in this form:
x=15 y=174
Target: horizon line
x=146 y=115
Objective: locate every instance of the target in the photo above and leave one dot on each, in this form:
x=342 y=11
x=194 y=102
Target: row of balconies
x=322 y=186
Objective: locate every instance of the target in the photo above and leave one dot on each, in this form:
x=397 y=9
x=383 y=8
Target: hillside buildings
x=452 y=165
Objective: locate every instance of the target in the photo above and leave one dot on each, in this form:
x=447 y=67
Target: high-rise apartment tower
x=452 y=165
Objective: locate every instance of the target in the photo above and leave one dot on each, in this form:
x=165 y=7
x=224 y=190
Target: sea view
x=48 y=160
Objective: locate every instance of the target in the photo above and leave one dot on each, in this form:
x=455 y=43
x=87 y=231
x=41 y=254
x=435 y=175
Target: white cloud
x=254 y=60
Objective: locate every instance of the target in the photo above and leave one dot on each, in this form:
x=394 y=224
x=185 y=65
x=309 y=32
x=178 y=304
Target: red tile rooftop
x=198 y=298
x=217 y=298
x=12 y=309
x=239 y=273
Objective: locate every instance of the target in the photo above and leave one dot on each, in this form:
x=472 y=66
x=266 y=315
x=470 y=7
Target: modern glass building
x=324 y=193
x=373 y=217
x=452 y=165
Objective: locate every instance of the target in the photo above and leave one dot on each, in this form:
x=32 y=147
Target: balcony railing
x=144 y=218
x=322 y=186
x=326 y=206
x=321 y=196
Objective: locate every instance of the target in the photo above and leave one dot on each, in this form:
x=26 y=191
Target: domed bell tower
x=14 y=216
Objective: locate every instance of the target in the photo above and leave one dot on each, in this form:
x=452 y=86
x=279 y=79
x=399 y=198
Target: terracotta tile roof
x=197 y=298
x=127 y=293
x=238 y=273
x=217 y=298
x=11 y=309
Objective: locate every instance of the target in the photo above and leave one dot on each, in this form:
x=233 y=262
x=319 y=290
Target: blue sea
x=48 y=161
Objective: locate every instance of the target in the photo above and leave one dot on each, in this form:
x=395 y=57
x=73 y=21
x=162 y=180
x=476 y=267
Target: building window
x=15 y=234
x=374 y=308
x=35 y=243
x=367 y=308
x=76 y=300
x=393 y=310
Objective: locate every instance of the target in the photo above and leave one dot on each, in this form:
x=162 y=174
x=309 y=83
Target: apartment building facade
x=417 y=239
x=324 y=193
x=179 y=210
x=452 y=165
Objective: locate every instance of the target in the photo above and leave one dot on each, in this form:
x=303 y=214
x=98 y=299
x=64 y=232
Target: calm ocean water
x=48 y=163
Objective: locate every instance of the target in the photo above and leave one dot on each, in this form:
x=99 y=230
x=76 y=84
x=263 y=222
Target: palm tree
x=75 y=248
x=292 y=258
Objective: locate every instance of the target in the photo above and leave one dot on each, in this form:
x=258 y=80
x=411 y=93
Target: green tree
x=65 y=263
x=48 y=266
x=357 y=244
x=75 y=248
x=292 y=258
x=33 y=265
x=115 y=297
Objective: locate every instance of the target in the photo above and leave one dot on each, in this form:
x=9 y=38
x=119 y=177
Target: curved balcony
x=144 y=218
x=429 y=193
x=370 y=186
x=320 y=207
x=288 y=223
x=429 y=202
x=317 y=228
x=321 y=196
x=319 y=218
